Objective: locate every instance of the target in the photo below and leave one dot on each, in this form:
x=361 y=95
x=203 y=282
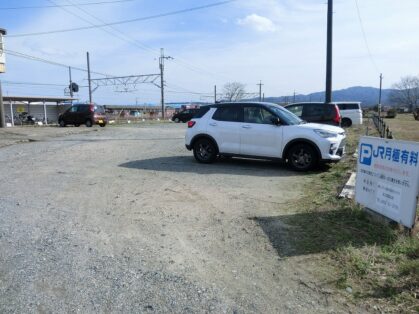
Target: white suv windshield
x=285 y=115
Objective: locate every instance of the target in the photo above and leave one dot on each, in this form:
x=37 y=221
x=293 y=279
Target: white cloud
x=258 y=23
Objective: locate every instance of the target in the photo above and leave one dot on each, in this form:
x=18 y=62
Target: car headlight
x=325 y=134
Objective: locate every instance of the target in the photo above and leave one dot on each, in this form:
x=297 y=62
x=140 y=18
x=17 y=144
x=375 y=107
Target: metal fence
x=381 y=126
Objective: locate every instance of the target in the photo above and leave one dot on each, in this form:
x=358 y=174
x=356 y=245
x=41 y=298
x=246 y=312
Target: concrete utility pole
x=88 y=77
x=2 y=70
x=379 y=95
x=260 y=90
x=161 y=64
x=2 y=122
x=329 y=51
x=215 y=94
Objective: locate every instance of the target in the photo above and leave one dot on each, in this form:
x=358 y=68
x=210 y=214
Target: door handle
x=246 y=126
x=213 y=124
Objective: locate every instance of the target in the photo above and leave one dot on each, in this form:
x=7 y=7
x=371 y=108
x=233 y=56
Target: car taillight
x=191 y=124
x=337 y=117
x=92 y=108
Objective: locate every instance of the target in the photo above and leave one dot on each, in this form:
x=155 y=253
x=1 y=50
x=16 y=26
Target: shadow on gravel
x=232 y=166
x=316 y=232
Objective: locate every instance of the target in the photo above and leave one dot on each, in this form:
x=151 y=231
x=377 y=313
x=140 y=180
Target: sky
x=279 y=42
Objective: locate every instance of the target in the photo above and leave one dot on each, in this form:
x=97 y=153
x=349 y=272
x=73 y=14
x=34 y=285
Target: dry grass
x=404 y=127
x=379 y=262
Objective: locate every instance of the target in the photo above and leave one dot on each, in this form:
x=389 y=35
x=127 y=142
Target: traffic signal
x=74 y=87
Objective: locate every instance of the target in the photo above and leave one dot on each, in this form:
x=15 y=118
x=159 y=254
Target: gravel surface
x=122 y=219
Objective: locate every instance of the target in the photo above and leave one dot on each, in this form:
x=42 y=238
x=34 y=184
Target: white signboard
x=387 y=179
x=2 y=55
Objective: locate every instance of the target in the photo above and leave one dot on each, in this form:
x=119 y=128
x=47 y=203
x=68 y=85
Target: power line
x=33 y=58
x=32 y=83
x=365 y=37
x=63 y=5
x=129 y=39
x=160 y=15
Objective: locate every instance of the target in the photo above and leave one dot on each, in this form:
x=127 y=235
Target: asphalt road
x=122 y=219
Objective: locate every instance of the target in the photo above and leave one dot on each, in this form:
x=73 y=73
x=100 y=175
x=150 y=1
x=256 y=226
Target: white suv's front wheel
x=302 y=157
x=205 y=151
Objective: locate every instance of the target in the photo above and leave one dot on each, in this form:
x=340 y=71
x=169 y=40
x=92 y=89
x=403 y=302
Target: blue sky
x=280 y=42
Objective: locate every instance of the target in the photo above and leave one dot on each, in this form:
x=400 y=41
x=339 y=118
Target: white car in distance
x=351 y=112
x=263 y=131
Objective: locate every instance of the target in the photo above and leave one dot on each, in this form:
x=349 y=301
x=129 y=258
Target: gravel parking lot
x=122 y=219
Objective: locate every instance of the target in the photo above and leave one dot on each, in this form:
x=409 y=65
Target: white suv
x=262 y=130
x=351 y=113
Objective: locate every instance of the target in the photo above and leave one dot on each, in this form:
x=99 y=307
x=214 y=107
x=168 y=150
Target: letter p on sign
x=365 y=154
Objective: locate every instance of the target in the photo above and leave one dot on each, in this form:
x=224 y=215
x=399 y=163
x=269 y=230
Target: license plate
x=100 y=121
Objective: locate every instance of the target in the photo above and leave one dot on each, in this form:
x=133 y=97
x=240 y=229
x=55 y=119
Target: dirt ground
x=122 y=219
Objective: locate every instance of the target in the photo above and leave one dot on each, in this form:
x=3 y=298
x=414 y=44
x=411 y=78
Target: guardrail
x=381 y=126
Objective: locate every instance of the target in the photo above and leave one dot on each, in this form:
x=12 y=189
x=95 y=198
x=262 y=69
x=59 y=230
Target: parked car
x=318 y=112
x=265 y=131
x=87 y=114
x=184 y=115
x=351 y=113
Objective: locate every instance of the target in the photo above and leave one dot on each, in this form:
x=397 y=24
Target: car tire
x=102 y=125
x=346 y=123
x=205 y=151
x=177 y=120
x=302 y=157
x=89 y=123
x=62 y=123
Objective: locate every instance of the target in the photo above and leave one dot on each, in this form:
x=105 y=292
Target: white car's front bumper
x=333 y=149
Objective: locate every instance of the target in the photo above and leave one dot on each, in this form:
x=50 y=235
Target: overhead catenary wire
x=365 y=37
x=63 y=5
x=145 y=18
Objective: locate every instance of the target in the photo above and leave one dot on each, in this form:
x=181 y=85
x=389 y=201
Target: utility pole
x=2 y=122
x=263 y=97
x=70 y=87
x=260 y=90
x=379 y=95
x=215 y=94
x=2 y=70
x=294 y=97
x=161 y=64
x=329 y=51
x=88 y=77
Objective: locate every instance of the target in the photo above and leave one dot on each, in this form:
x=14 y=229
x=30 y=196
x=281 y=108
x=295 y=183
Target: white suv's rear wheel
x=302 y=157
x=205 y=151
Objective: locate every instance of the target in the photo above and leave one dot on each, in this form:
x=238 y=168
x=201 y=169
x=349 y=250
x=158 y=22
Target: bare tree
x=234 y=91
x=406 y=92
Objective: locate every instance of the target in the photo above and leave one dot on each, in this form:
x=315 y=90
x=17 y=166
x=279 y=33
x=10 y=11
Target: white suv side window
x=297 y=110
x=229 y=114
x=257 y=115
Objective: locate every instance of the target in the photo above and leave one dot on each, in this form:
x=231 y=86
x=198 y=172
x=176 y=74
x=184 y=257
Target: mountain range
x=367 y=95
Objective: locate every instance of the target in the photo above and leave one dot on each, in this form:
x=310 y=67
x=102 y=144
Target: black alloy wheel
x=302 y=157
x=205 y=151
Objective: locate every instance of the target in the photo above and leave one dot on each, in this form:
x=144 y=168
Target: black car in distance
x=184 y=115
x=316 y=112
x=88 y=114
